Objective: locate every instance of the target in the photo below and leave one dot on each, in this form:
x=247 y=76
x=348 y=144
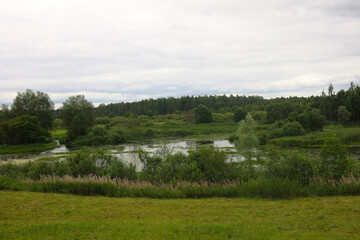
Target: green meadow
x=25 y=215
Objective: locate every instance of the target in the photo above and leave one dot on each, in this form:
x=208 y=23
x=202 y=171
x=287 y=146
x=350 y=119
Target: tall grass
x=105 y=186
x=328 y=187
x=255 y=188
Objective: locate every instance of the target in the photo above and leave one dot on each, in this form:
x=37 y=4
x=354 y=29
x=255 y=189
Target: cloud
x=128 y=50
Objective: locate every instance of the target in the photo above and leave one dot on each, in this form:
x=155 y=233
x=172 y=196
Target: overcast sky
x=114 y=50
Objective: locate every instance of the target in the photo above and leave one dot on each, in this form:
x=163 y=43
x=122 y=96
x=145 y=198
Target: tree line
x=330 y=105
x=30 y=118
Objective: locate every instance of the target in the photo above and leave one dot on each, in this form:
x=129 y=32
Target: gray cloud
x=128 y=50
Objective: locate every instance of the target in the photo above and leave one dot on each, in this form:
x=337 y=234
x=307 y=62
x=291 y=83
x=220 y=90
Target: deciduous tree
x=78 y=115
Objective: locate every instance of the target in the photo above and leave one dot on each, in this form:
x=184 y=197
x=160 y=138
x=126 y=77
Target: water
x=129 y=152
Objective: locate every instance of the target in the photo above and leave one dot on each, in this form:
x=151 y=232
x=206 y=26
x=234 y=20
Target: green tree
x=239 y=114
x=22 y=130
x=353 y=102
x=312 y=120
x=343 y=115
x=36 y=104
x=203 y=114
x=247 y=139
x=4 y=113
x=78 y=115
x=278 y=111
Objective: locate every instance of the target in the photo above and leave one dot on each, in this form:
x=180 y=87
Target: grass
x=91 y=185
x=350 y=135
x=26 y=215
x=26 y=148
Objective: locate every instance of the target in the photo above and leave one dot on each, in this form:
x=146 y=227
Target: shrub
x=333 y=160
x=312 y=120
x=239 y=114
x=293 y=129
x=203 y=114
x=39 y=168
x=82 y=163
x=119 y=169
x=294 y=166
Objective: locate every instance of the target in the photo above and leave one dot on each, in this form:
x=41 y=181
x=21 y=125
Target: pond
x=129 y=152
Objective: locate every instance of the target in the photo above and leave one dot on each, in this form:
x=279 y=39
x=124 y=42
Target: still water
x=129 y=152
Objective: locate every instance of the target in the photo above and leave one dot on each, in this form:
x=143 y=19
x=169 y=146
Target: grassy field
x=26 y=148
x=26 y=215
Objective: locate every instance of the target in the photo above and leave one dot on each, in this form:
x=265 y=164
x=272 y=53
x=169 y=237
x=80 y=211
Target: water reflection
x=129 y=153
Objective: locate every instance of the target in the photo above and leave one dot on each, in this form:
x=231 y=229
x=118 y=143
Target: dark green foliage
x=239 y=114
x=205 y=163
x=150 y=171
x=98 y=136
x=11 y=170
x=210 y=162
x=102 y=120
x=149 y=133
x=233 y=138
x=333 y=159
x=150 y=113
x=36 y=104
x=312 y=120
x=294 y=116
x=39 y=168
x=276 y=133
x=22 y=130
x=77 y=115
x=5 y=113
x=352 y=102
x=82 y=163
x=277 y=111
x=343 y=115
x=119 y=169
x=259 y=115
x=295 y=166
x=203 y=115
x=293 y=129
x=183 y=104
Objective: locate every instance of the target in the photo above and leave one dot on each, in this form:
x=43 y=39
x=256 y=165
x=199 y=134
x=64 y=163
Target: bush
x=312 y=120
x=82 y=163
x=39 y=168
x=333 y=159
x=22 y=130
x=239 y=114
x=119 y=169
x=293 y=129
x=295 y=166
x=203 y=114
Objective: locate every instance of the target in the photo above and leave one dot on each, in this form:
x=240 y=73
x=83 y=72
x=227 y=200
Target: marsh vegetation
x=279 y=148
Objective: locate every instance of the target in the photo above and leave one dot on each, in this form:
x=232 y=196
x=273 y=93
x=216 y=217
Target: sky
x=116 y=50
